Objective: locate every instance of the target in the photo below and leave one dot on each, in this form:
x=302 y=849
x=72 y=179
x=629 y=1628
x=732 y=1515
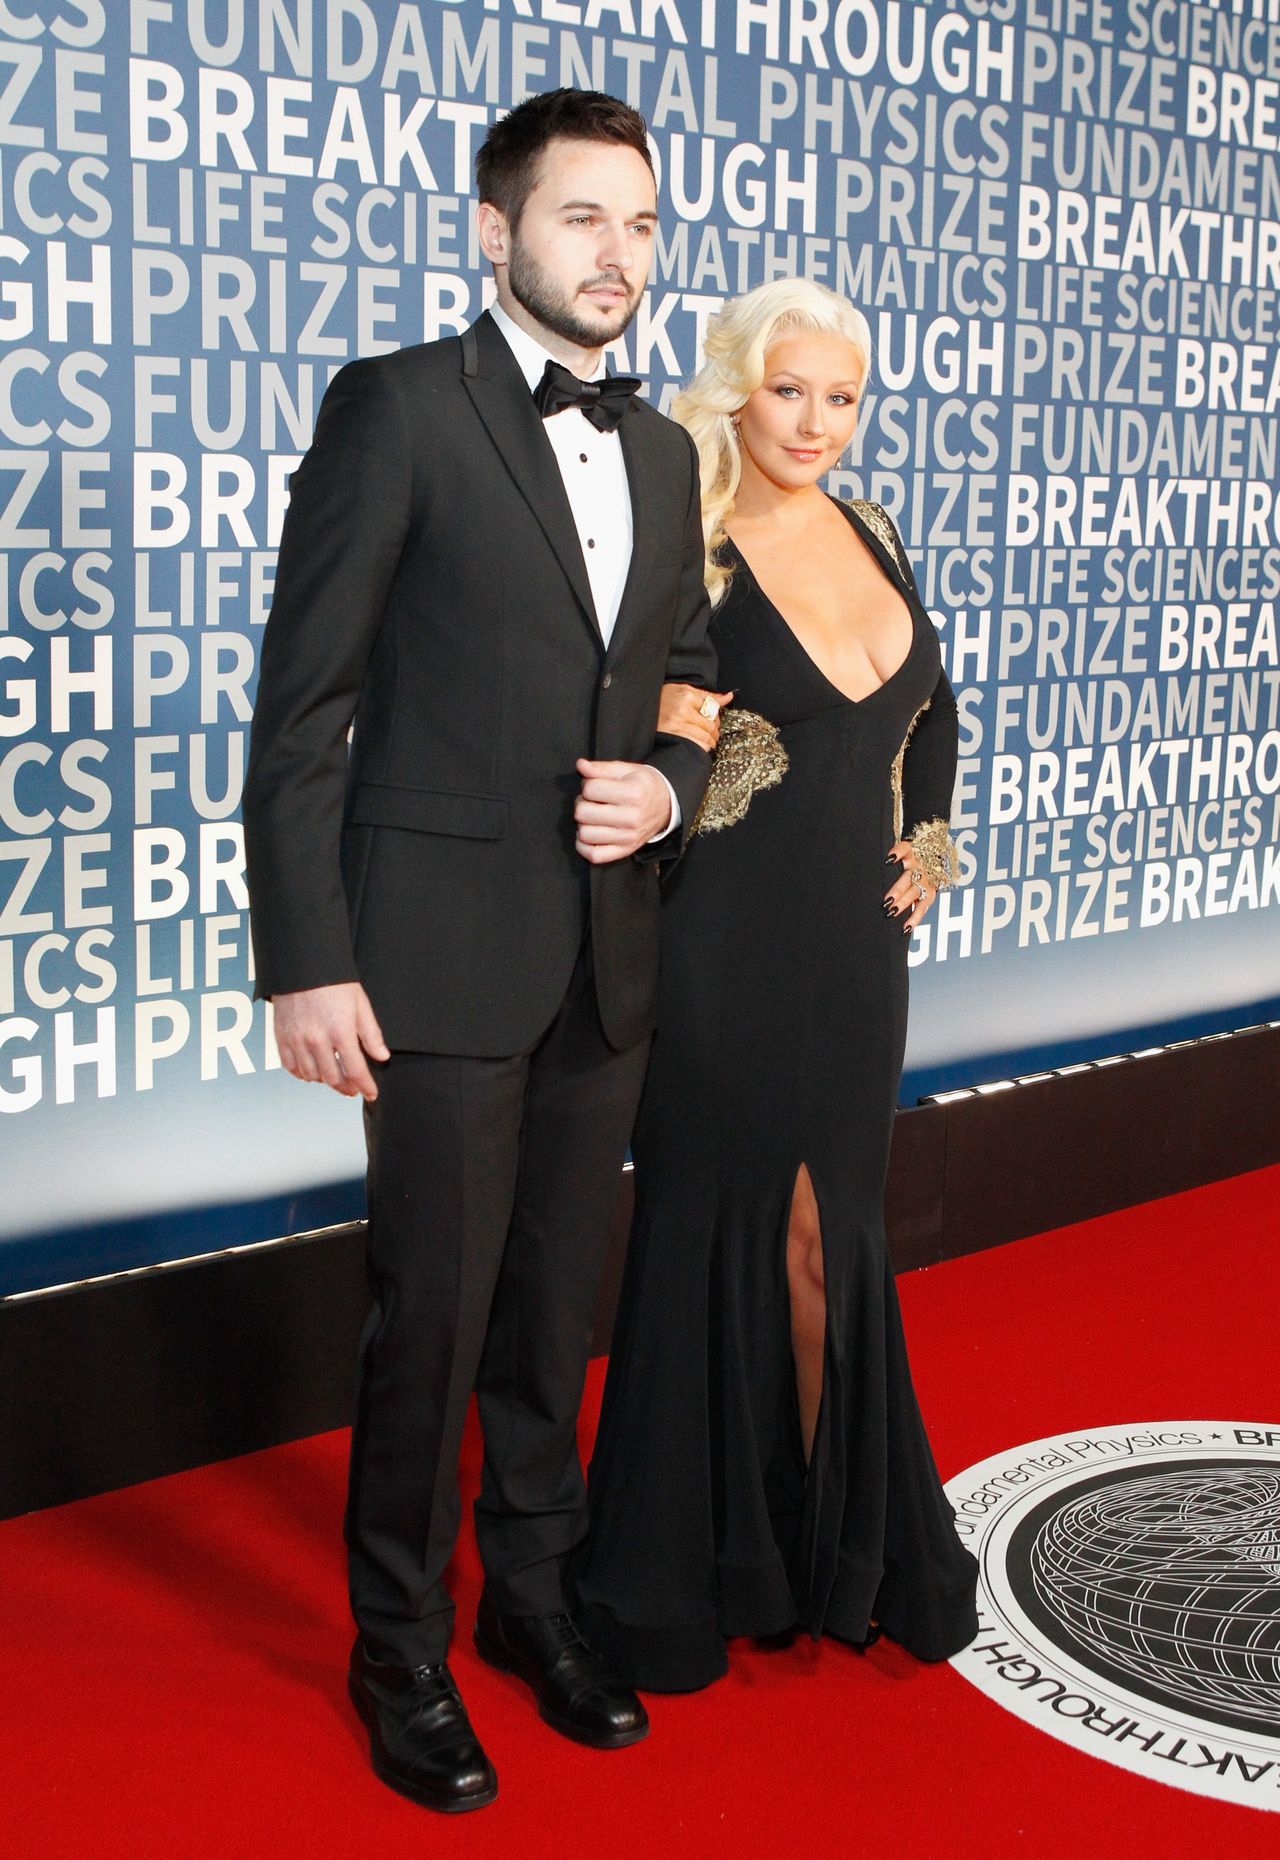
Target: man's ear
x=494 y=233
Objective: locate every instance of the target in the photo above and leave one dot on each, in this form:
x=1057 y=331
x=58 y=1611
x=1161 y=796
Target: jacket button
x=606 y=681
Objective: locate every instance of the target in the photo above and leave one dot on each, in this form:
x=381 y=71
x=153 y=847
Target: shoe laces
x=565 y=1629
x=431 y=1684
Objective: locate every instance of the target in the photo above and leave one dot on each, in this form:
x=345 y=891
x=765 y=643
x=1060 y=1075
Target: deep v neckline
x=887 y=568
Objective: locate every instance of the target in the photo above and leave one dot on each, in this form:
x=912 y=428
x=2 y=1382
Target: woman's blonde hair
x=738 y=338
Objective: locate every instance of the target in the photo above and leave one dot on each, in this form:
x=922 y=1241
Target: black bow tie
x=603 y=402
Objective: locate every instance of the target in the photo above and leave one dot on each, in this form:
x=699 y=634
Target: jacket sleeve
x=691 y=661
x=343 y=535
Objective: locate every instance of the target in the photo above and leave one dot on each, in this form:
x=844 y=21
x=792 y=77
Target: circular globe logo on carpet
x=1129 y=1598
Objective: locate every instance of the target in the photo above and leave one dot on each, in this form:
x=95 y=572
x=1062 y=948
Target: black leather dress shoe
x=577 y=1693
x=420 y=1739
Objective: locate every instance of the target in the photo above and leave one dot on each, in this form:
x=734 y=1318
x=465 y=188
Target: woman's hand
x=910 y=896
x=680 y=713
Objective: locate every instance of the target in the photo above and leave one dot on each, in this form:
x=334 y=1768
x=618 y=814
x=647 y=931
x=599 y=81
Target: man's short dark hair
x=508 y=160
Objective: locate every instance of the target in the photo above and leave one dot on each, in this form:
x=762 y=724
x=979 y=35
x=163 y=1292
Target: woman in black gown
x=761 y=1461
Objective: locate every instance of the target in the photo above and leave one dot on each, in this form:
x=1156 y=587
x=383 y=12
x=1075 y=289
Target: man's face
x=580 y=255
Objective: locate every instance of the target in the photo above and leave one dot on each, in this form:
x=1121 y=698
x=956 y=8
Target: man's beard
x=550 y=305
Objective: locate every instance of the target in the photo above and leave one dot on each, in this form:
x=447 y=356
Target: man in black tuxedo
x=491 y=563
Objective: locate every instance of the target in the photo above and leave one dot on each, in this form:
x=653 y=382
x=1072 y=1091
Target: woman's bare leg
x=807 y=1283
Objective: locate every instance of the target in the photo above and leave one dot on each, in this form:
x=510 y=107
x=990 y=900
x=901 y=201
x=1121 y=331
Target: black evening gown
x=781 y=1025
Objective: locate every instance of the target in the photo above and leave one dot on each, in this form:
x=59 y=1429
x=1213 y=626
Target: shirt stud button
x=582 y=457
x=591 y=542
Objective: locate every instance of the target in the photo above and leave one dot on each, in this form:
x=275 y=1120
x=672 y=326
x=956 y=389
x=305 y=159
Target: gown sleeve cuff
x=934 y=853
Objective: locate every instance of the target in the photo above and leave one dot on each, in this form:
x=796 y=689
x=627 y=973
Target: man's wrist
x=674 y=816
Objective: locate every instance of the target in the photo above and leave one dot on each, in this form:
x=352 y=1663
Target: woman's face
x=801 y=417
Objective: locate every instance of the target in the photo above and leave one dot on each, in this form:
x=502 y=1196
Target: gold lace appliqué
x=895 y=774
x=930 y=842
x=934 y=853
x=881 y=527
x=748 y=758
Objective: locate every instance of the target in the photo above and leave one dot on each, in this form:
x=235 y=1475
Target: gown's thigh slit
x=806 y=1285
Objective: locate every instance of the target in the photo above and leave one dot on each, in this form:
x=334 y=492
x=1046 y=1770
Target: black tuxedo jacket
x=431 y=590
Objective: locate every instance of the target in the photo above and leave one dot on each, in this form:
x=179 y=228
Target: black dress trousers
x=492 y=1185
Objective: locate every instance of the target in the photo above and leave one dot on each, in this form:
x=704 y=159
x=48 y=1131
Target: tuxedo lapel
x=497 y=388
x=638 y=465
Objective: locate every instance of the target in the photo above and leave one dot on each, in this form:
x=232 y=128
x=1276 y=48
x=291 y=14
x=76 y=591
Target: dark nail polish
x=889 y=859
x=906 y=929
x=887 y=908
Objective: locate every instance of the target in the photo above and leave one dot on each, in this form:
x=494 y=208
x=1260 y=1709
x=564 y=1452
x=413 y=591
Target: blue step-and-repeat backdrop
x=1062 y=218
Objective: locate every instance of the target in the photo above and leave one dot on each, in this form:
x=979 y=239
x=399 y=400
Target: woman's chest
x=841 y=610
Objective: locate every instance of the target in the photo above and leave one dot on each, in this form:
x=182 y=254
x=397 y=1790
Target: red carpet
x=171 y=1657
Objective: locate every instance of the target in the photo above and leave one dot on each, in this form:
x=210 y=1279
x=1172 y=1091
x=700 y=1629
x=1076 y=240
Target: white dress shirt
x=595 y=481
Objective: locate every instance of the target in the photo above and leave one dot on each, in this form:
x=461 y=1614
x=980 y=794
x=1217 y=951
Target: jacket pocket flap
x=428 y=810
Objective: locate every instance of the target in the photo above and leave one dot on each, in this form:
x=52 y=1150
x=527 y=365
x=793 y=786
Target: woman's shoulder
x=882 y=526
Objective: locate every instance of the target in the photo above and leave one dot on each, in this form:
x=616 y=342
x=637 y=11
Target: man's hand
x=323 y=1035
x=623 y=805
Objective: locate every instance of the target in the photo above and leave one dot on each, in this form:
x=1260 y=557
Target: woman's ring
x=920 y=891
x=709 y=709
